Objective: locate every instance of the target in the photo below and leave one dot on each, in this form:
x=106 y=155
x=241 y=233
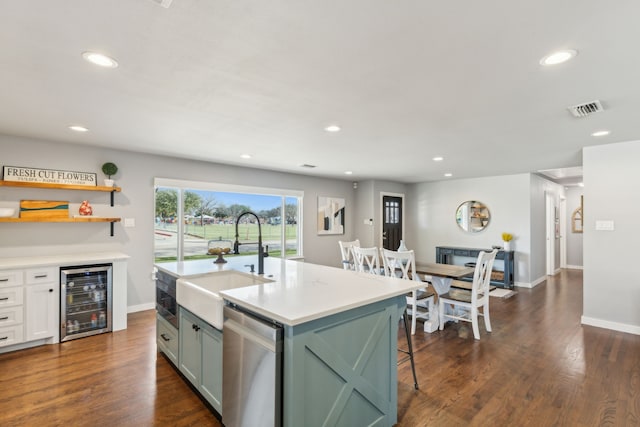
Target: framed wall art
x=330 y=215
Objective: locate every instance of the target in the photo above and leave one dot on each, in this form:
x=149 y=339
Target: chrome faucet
x=261 y=252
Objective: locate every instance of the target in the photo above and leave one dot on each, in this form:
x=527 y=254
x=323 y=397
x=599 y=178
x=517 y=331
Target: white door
x=550 y=227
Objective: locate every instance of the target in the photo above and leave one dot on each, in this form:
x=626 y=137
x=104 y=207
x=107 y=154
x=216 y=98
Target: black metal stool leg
x=405 y=317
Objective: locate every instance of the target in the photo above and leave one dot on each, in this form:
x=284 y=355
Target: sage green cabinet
x=167 y=339
x=200 y=359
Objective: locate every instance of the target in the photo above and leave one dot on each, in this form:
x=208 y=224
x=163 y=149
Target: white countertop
x=301 y=292
x=62 y=259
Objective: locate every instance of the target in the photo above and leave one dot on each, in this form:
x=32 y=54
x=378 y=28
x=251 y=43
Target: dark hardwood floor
x=538 y=367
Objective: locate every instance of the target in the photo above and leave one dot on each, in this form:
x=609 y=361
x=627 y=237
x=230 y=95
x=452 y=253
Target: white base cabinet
x=200 y=356
x=42 y=296
x=42 y=319
x=11 y=307
x=29 y=305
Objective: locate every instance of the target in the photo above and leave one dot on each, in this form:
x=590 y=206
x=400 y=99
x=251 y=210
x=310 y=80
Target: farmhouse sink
x=200 y=294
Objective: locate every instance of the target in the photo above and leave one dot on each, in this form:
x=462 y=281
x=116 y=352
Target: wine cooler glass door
x=86 y=300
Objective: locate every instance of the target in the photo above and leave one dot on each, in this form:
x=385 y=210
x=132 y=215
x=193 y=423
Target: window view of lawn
x=209 y=218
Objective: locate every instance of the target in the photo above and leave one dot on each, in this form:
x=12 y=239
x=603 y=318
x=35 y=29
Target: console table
x=503 y=279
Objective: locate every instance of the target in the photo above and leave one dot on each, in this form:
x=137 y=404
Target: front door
x=391 y=222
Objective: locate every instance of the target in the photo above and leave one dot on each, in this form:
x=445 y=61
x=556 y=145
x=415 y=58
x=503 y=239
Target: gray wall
x=136 y=200
x=431 y=209
x=611 y=284
x=574 y=240
x=364 y=210
x=369 y=206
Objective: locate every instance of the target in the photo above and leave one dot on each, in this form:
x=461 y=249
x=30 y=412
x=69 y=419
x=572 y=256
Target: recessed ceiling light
x=558 y=57
x=601 y=133
x=78 y=128
x=438 y=159
x=348 y=173
x=99 y=59
x=448 y=174
x=332 y=128
x=245 y=156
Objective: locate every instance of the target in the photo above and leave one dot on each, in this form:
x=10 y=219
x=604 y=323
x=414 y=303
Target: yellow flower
x=507 y=237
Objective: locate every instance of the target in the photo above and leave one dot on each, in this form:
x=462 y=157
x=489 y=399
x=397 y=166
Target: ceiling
x=406 y=81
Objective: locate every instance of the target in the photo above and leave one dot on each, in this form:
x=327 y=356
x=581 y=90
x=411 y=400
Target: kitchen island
x=340 y=337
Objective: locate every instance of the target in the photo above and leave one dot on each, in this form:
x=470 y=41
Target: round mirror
x=473 y=216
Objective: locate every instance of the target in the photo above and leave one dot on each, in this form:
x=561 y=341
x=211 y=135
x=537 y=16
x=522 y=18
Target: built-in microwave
x=166 y=302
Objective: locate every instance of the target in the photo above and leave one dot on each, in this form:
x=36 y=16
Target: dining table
x=441 y=277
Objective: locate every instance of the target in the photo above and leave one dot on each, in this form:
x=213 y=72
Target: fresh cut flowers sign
x=48 y=176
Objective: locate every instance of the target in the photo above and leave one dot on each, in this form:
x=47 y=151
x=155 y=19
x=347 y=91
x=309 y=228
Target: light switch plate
x=604 y=225
x=129 y=222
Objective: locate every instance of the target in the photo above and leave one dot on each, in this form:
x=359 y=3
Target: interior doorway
x=392 y=220
x=550 y=226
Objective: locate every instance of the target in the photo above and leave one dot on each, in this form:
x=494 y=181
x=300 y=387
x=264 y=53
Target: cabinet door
x=211 y=387
x=190 y=347
x=41 y=311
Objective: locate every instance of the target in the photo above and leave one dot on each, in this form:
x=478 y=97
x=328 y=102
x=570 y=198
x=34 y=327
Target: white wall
x=431 y=209
x=136 y=200
x=574 y=240
x=611 y=284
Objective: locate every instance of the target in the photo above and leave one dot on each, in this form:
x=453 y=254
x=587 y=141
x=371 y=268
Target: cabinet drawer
x=11 y=296
x=11 y=335
x=10 y=278
x=167 y=339
x=42 y=275
x=10 y=316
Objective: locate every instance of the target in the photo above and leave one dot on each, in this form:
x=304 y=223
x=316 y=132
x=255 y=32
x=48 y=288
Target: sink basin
x=200 y=294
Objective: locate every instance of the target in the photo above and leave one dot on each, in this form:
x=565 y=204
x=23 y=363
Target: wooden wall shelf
x=74 y=219
x=62 y=219
x=65 y=219
x=58 y=186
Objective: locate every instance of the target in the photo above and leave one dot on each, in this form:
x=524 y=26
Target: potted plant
x=109 y=169
x=506 y=238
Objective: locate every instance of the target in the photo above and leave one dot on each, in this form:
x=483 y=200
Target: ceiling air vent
x=308 y=166
x=586 y=109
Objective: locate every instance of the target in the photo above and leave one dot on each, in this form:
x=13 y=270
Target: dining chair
x=367 y=260
x=466 y=304
x=346 y=252
x=403 y=265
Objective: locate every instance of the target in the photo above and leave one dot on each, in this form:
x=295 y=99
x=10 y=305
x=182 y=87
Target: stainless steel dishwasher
x=252 y=370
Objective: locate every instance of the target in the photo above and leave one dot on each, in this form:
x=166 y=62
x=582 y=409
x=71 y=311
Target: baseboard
x=532 y=284
x=606 y=324
x=141 y=307
x=574 y=267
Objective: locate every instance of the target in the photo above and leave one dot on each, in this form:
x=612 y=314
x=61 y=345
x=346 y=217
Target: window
x=194 y=217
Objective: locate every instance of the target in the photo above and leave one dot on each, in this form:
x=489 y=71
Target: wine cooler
x=85 y=300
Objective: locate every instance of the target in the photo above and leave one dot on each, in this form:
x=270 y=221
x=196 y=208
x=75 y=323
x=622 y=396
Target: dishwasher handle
x=243 y=331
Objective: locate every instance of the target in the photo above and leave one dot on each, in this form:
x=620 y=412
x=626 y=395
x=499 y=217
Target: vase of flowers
x=506 y=238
